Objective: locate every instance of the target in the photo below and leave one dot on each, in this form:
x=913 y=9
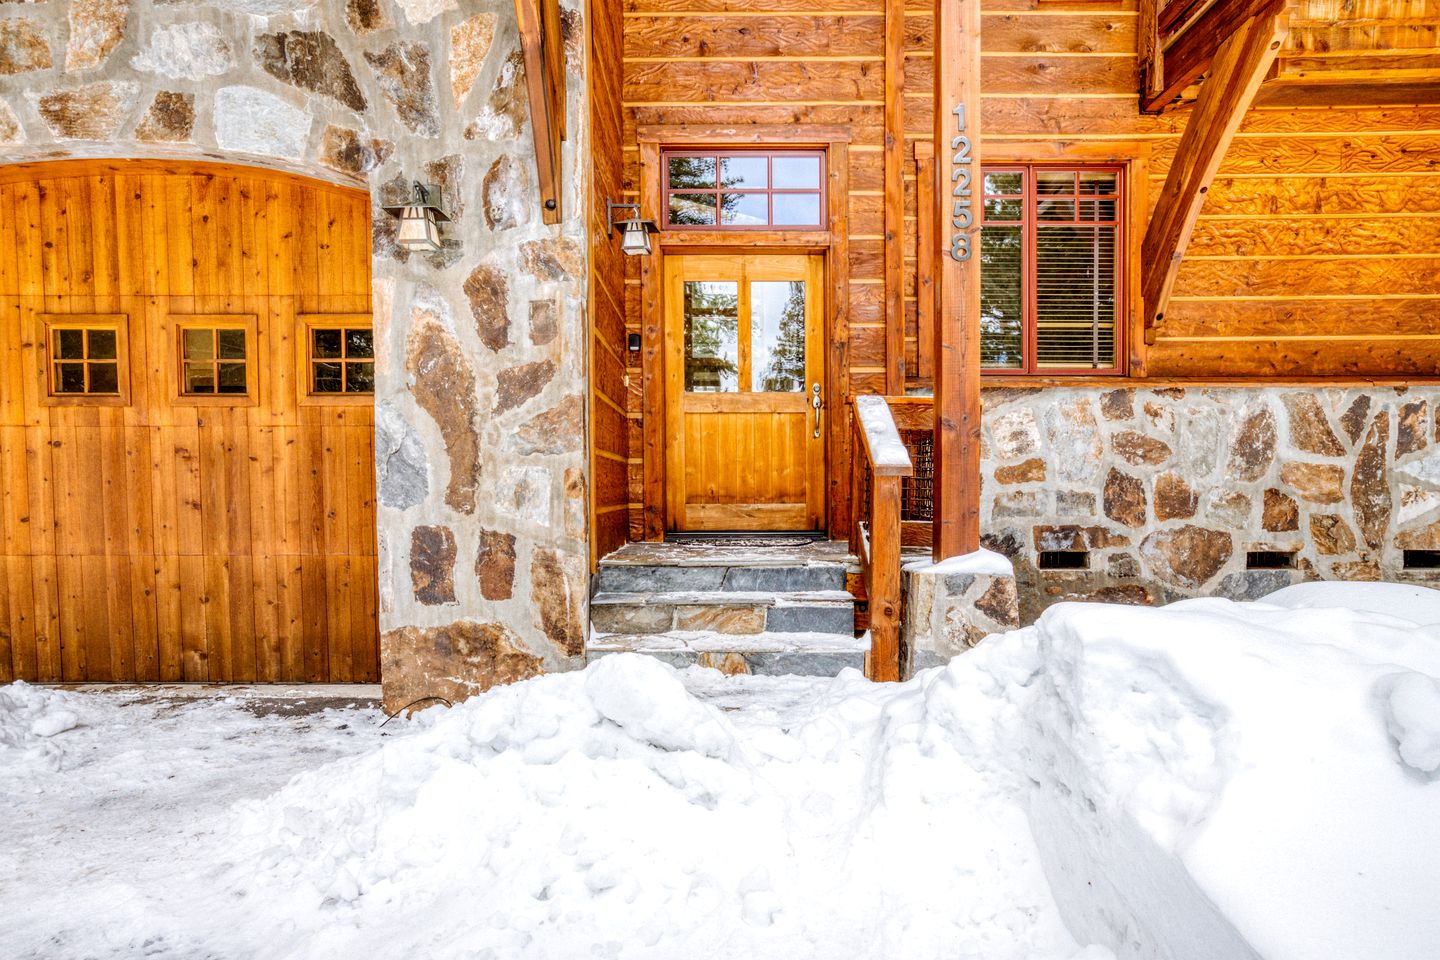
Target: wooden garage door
x=186 y=428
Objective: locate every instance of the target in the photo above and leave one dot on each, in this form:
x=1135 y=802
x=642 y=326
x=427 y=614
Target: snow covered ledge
x=951 y=605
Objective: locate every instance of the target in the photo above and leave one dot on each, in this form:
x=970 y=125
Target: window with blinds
x=1050 y=276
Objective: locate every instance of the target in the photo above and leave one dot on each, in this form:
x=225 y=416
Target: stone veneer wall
x=1168 y=488
x=480 y=447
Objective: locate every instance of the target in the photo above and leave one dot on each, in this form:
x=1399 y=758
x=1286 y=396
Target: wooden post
x=885 y=577
x=957 y=275
x=1152 y=57
x=860 y=463
x=894 y=181
x=925 y=259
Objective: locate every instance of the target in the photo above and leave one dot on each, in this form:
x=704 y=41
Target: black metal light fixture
x=420 y=219
x=635 y=236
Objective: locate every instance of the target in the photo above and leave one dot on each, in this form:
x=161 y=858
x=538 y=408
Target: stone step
x=719 y=577
x=765 y=654
x=724 y=612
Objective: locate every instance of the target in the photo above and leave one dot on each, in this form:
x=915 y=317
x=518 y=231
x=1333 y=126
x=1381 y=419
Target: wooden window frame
x=1030 y=225
x=179 y=323
x=50 y=322
x=1134 y=156
x=769 y=152
x=305 y=324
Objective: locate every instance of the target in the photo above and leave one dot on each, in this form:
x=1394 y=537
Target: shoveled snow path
x=101 y=818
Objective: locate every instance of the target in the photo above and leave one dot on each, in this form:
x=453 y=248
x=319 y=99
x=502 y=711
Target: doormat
x=748 y=539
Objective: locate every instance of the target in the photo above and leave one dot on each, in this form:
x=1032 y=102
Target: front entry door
x=744 y=404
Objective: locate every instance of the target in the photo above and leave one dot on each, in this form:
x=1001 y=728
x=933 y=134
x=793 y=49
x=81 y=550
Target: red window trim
x=768 y=192
x=1030 y=286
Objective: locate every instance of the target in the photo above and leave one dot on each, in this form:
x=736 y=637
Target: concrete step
x=719 y=577
x=736 y=612
x=765 y=654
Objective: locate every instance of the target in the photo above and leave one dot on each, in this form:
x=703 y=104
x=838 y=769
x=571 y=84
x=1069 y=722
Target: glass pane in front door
x=712 y=336
x=777 y=336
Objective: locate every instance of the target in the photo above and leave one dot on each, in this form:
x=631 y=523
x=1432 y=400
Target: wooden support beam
x=1152 y=59
x=925 y=259
x=894 y=173
x=1172 y=61
x=957 y=275
x=1239 y=68
x=543 y=48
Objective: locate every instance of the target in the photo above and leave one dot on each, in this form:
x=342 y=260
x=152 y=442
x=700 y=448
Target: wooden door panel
x=746 y=452
x=147 y=538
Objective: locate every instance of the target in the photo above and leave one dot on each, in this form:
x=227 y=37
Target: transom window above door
x=745 y=190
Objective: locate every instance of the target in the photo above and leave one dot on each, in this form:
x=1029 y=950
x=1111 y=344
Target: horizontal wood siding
x=609 y=424
x=165 y=541
x=1324 y=221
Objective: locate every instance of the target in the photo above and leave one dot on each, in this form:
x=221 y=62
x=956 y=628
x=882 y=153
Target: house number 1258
x=961 y=214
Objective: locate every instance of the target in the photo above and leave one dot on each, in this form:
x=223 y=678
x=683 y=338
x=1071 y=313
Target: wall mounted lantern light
x=635 y=236
x=420 y=219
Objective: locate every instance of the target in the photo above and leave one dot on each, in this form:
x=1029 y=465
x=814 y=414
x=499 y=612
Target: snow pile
x=612 y=813
x=29 y=717
x=1214 y=779
x=1206 y=780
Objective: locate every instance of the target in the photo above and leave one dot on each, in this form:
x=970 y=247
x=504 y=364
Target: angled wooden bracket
x=542 y=43
x=1239 y=67
x=1179 y=40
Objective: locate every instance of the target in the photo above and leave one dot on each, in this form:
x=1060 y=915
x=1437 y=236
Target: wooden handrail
x=883 y=446
x=875 y=538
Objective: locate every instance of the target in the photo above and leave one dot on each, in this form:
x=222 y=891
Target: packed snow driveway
x=1211 y=780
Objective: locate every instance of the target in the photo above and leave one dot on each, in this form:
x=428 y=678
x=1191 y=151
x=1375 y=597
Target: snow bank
x=30 y=717
x=1207 y=780
x=1408 y=602
x=1214 y=779
x=612 y=813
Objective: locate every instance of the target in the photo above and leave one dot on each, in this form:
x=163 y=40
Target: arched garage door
x=186 y=425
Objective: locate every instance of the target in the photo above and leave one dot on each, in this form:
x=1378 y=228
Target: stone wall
x=1169 y=488
x=480 y=448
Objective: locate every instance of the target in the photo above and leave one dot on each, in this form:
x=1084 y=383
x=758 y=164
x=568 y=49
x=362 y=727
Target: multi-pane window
x=745 y=190
x=342 y=360
x=84 y=361
x=1050 y=279
x=213 y=361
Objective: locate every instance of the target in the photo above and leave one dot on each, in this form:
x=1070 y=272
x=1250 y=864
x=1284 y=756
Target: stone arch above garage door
x=481 y=466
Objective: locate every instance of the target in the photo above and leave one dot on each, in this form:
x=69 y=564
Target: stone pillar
x=953 y=605
x=481 y=464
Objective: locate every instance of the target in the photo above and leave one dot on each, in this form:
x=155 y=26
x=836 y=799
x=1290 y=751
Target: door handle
x=817 y=404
